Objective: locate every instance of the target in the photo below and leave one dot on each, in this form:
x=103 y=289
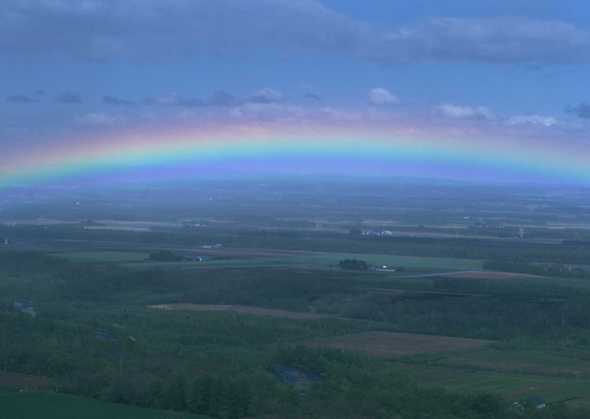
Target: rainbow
x=311 y=149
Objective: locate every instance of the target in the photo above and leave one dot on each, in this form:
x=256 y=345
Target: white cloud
x=546 y=121
x=464 y=112
x=382 y=97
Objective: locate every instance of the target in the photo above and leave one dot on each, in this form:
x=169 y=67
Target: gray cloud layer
x=21 y=99
x=581 y=110
x=117 y=101
x=222 y=99
x=173 y=100
x=140 y=29
x=490 y=40
x=70 y=99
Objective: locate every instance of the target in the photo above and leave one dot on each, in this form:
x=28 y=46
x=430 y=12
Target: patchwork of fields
x=455 y=363
x=216 y=314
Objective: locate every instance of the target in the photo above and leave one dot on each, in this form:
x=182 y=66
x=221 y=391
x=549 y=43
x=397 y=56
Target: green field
x=513 y=374
x=511 y=386
x=317 y=260
x=61 y=406
x=413 y=262
x=104 y=256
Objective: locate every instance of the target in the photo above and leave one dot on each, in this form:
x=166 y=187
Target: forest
x=95 y=335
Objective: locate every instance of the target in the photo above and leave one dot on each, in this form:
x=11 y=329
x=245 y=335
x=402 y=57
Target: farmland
x=230 y=257
x=217 y=314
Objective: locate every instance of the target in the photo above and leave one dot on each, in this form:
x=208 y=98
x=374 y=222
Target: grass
x=410 y=262
x=512 y=386
x=531 y=361
x=62 y=406
x=104 y=256
x=512 y=374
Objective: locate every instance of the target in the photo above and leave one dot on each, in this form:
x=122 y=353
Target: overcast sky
x=86 y=64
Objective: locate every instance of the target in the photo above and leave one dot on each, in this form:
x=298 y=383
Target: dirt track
x=476 y=275
x=23 y=381
x=388 y=344
x=256 y=311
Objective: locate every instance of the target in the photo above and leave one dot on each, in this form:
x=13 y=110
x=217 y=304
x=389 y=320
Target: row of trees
x=354 y=265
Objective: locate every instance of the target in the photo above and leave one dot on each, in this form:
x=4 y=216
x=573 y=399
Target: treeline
x=479 y=309
x=217 y=397
x=354 y=265
x=228 y=383
x=274 y=288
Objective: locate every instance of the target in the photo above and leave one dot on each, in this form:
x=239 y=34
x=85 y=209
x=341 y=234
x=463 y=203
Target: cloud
x=268 y=112
x=106 y=29
x=70 y=99
x=382 y=97
x=266 y=96
x=116 y=101
x=24 y=99
x=465 y=112
x=539 y=120
x=99 y=119
x=313 y=96
x=222 y=99
x=496 y=40
x=581 y=110
x=190 y=103
x=165 y=100
x=143 y=29
x=173 y=99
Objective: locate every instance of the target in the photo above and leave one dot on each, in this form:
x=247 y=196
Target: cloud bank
x=144 y=29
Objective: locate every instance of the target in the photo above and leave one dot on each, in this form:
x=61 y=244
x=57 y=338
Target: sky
x=511 y=73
